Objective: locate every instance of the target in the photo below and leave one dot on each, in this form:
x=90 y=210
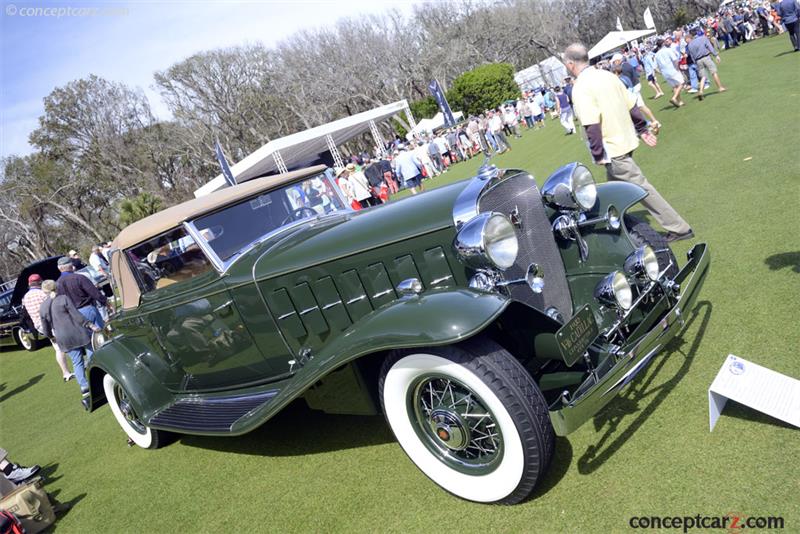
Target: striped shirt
x=33 y=301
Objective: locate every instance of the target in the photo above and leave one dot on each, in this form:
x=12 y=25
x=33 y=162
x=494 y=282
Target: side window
x=167 y=259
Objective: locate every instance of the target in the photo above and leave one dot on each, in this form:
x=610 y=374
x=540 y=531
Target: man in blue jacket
x=789 y=10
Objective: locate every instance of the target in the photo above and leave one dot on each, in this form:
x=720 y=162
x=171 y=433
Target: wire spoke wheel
x=127 y=410
x=455 y=424
x=124 y=412
x=470 y=417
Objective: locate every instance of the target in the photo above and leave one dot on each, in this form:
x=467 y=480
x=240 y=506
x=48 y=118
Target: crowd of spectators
x=69 y=309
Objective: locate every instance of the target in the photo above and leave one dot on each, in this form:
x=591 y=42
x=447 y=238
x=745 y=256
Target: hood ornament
x=487 y=171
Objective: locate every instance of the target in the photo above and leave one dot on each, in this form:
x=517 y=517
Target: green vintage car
x=483 y=318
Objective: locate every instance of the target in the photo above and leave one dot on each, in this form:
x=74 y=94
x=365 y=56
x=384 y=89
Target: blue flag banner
x=223 y=163
x=438 y=95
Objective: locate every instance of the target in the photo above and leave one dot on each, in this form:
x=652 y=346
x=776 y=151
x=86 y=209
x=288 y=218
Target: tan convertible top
x=174 y=216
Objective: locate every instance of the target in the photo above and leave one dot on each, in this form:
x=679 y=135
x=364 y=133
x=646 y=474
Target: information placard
x=754 y=386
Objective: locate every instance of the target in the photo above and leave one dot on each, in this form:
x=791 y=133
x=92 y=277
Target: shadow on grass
x=785 y=53
x=19 y=389
x=298 y=430
x=784 y=259
x=740 y=411
x=61 y=508
x=613 y=415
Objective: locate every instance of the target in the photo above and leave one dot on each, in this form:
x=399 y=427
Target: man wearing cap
x=80 y=291
x=612 y=121
x=700 y=50
x=76 y=259
x=33 y=299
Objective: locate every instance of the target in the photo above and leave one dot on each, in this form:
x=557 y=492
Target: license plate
x=576 y=335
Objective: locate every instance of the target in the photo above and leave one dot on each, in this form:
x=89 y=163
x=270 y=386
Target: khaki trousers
x=625 y=169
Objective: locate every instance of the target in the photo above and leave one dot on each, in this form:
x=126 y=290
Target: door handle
x=139 y=361
x=224 y=309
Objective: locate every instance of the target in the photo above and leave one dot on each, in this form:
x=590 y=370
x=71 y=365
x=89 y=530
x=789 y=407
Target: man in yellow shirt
x=613 y=126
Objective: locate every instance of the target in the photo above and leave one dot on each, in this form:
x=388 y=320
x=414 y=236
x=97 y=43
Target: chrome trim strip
x=382 y=293
x=287 y=314
x=309 y=310
x=466 y=204
x=215 y=260
x=331 y=305
x=223 y=265
x=633 y=371
x=354 y=300
x=442 y=279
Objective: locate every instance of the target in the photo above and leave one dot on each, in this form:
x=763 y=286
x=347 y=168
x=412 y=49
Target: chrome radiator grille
x=536 y=243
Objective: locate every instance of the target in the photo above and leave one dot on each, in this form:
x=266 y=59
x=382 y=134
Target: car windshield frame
x=223 y=264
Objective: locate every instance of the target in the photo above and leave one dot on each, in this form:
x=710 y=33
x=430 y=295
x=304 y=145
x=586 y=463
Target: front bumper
x=665 y=321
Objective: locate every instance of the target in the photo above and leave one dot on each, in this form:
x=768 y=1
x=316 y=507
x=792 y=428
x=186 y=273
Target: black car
x=16 y=326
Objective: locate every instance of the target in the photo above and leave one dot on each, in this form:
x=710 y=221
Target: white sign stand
x=759 y=388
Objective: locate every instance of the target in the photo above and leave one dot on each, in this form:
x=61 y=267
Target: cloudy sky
x=45 y=44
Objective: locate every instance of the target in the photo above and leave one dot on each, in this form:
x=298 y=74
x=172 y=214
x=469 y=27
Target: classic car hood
x=337 y=236
x=46 y=268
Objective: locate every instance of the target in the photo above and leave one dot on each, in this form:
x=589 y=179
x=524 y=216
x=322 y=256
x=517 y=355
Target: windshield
x=235 y=227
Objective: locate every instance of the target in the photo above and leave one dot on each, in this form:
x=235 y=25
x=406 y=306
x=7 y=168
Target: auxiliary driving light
x=614 y=291
x=642 y=263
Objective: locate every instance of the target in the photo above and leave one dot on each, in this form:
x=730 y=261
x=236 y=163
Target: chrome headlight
x=642 y=263
x=570 y=187
x=98 y=339
x=487 y=240
x=614 y=291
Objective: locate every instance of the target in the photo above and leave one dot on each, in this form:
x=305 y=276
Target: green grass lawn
x=729 y=165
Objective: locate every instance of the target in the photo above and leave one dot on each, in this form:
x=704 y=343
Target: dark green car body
x=312 y=311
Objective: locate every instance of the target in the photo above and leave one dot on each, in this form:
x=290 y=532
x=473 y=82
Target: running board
x=210 y=415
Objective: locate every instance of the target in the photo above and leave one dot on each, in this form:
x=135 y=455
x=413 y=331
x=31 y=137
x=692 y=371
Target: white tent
x=427 y=126
x=279 y=155
x=617 y=39
x=551 y=71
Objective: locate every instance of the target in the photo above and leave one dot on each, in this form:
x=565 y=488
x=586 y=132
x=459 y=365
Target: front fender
x=436 y=317
x=621 y=195
x=146 y=394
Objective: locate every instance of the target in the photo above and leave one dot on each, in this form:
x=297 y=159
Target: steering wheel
x=299 y=213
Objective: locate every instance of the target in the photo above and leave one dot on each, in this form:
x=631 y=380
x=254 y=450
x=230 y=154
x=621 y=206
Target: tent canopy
x=551 y=71
x=429 y=125
x=617 y=39
x=302 y=147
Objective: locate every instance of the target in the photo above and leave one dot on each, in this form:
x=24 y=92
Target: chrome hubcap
x=127 y=410
x=449 y=429
x=25 y=338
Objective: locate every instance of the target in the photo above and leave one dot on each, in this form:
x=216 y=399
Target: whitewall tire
x=470 y=417
x=138 y=432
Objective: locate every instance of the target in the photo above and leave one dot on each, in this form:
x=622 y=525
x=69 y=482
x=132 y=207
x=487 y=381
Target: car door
x=193 y=316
